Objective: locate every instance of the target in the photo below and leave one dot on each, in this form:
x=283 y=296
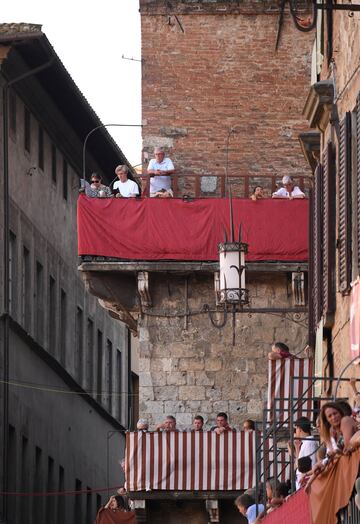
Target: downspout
x=6 y=306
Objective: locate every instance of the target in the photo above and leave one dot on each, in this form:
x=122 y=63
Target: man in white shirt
x=127 y=188
x=159 y=169
x=289 y=190
x=305 y=445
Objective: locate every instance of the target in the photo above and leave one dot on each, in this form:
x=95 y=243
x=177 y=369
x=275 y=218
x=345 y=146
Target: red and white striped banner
x=190 y=460
x=279 y=384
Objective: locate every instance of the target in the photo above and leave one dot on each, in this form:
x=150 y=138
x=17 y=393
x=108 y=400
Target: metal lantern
x=232 y=273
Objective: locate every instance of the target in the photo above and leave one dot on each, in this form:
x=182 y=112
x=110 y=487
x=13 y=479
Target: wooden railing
x=214 y=186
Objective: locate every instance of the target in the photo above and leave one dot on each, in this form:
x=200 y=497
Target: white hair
x=287 y=180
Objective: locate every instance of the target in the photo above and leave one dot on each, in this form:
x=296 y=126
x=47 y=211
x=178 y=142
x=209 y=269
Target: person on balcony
x=142 y=425
x=304 y=445
x=169 y=424
x=289 y=191
x=198 y=423
x=115 y=511
x=279 y=350
x=222 y=423
x=97 y=189
x=258 y=193
x=247 y=506
x=160 y=168
x=248 y=425
x=125 y=187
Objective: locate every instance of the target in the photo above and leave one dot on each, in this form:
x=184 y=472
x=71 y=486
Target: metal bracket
x=298 y=288
x=212 y=507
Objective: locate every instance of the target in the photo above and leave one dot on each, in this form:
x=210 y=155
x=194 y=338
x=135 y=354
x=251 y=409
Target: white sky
x=90 y=37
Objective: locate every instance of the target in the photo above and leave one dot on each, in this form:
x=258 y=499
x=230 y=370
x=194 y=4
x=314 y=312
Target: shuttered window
x=317 y=236
x=344 y=224
x=358 y=177
x=328 y=232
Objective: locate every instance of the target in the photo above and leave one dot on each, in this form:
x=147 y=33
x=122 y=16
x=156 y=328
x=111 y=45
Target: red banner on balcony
x=295 y=510
x=175 y=460
x=355 y=320
x=281 y=373
x=156 y=229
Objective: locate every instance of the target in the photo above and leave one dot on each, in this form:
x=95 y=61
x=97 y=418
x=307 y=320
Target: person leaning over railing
x=160 y=168
x=289 y=191
x=169 y=424
x=257 y=194
x=96 y=189
x=124 y=187
x=222 y=423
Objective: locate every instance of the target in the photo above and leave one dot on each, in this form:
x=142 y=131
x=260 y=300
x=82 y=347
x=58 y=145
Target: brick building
x=215 y=92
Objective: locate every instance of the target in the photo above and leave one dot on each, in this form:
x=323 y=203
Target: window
x=12 y=274
x=99 y=365
x=52 y=316
x=26 y=290
x=88 y=518
x=49 y=501
x=27 y=130
x=119 y=382
x=90 y=355
x=65 y=179
x=63 y=326
x=79 y=345
x=78 y=503
x=41 y=148
x=53 y=163
x=12 y=468
x=61 y=501
x=39 y=301
x=345 y=208
x=108 y=373
x=37 y=501
x=24 y=501
x=12 y=112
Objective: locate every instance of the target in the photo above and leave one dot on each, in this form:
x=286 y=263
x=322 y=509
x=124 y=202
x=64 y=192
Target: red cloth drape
x=158 y=229
x=107 y=516
x=296 y=510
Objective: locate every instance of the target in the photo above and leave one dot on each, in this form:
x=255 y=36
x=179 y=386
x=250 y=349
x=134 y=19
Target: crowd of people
x=159 y=170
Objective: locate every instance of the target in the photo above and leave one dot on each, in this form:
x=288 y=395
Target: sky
x=90 y=37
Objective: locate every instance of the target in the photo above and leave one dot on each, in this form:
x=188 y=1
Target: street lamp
x=90 y=133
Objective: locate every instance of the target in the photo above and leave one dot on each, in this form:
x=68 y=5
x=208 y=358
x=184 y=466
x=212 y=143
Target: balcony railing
x=214 y=186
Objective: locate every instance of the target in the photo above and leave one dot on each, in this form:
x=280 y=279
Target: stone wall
x=211 y=66
x=194 y=368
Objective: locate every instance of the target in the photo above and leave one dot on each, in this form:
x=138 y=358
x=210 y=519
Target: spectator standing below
x=198 y=423
x=115 y=512
x=279 y=350
x=127 y=188
x=246 y=506
x=160 y=168
x=289 y=190
x=97 y=189
x=258 y=193
x=221 y=423
x=249 y=425
x=169 y=424
x=304 y=445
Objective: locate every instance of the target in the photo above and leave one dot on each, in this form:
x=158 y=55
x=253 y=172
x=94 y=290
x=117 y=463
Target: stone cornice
x=318 y=105
x=310 y=146
x=157 y=7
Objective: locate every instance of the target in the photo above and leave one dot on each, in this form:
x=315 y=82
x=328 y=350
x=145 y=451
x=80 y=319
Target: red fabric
x=295 y=510
x=108 y=516
x=155 y=229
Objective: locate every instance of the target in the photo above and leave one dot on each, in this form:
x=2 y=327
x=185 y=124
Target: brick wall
x=210 y=66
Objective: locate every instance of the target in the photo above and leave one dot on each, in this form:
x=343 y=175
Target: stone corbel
x=212 y=507
x=143 y=288
x=298 y=288
x=120 y=313
x=319 y=104
x=310 y=145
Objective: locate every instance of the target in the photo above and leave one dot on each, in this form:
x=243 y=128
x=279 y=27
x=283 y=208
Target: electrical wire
x=55 y=493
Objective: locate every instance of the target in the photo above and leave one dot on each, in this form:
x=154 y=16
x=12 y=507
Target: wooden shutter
x=358 y=175
x=317 y=237
x=344 y=233
x=328 y=232
x=311 y=294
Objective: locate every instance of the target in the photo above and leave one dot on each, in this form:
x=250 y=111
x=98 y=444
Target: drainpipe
x=6 y=292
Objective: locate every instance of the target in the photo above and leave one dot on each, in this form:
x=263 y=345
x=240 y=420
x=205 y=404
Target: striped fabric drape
x=279 y=384
x=190 y=460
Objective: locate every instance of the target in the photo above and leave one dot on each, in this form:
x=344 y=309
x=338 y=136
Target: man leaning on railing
x=159 y=169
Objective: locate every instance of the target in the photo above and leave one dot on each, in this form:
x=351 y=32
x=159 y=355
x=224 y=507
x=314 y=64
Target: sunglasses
x=95 y=181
